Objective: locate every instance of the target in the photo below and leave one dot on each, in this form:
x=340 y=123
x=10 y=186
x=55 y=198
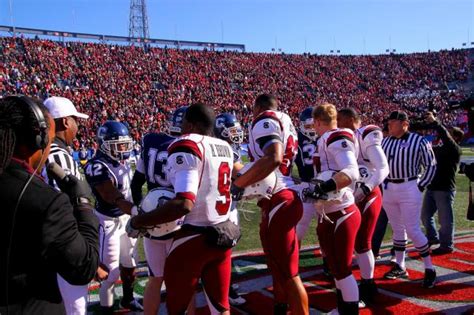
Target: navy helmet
x=306 y=123
x=174 y=124
x=228 y=128
x=114 y=140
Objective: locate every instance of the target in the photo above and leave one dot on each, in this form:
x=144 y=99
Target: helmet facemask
x=307 y=128
x=119 y=149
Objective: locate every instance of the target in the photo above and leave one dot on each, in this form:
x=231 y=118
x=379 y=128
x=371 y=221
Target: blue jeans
x=441 y=201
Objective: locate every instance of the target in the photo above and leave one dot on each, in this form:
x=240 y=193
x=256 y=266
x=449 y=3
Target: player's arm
x=98 y=177
x=267 y=136
x=137 y=181
x=346 y=161
x=378 y=159
x=184 y=163
x=237 y=167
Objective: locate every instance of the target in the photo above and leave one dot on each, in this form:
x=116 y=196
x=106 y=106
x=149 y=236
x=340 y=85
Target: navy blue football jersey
x=102 y=168
x=153 y=158
x=304 y=158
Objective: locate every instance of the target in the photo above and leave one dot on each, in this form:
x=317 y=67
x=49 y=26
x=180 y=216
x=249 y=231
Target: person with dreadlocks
x=43 y=232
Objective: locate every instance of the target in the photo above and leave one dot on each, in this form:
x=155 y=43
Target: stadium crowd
x=143 y=86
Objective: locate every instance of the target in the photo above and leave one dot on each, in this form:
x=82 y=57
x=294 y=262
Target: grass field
x=250 y=217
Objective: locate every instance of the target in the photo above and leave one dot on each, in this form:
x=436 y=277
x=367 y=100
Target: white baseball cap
x=62 y=107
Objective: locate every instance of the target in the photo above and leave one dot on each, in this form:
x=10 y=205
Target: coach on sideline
x=42 y=232
x=407 y=153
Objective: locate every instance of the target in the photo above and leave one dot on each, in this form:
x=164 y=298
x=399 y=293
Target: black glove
x=78 y=191
x=315 y=193
x=320 y=190
x=236 y=192
x=421 y=189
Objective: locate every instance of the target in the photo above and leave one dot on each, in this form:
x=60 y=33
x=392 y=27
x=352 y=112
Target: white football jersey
x=331 y=144
x=199 y=168
x=367 y=136
x=270 y=127
x=371 y=136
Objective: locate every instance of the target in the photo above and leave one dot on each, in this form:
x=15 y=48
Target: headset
x=39 y=141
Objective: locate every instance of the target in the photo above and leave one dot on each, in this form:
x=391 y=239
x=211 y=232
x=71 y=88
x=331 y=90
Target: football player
x=339 y=217
x=273 y=146
x=109 y=175
x=304 y=163
x=151 y=169
x=367 y=193
x=199 y=168
x=228 y=128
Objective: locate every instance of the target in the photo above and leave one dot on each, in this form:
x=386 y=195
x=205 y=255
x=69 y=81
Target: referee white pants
x=402 y=203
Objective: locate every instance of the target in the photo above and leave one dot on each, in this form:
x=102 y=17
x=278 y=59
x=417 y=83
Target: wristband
x=328 y=185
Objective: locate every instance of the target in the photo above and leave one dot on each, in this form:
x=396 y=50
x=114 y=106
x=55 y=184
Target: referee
x=407 y=154
x=65 y=117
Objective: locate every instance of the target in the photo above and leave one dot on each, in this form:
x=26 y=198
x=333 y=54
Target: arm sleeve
x=141 y=164
x=136 y=186
x=183 y=171
x=445 y=136
x=428 y=161
x=266 y=132
x=96 y=173
x=344 y=156
x=379 y=161
x=71 y=240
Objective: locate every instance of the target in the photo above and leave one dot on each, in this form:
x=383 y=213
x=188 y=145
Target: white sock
x=349 y=289
x=427 y=262
x=366 y=263
x=400 y=257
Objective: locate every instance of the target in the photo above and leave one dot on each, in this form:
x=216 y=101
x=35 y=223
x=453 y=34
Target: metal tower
x=138 y=24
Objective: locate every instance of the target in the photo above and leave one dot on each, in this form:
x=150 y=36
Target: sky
x=294 y=26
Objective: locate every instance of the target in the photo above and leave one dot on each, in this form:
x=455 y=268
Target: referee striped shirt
x=408 y=155
x=60 y=155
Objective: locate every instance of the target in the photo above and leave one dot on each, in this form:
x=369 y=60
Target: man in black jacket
x=440 y=193
x=42 y=232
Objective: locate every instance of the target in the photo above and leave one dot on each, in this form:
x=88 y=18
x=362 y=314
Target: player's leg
x=128 y=253
x=155 y=252
x=309 y=212
x=215 y=278
x=370 y=211
x=74 y=297
x=183 y=269
x=109 y=234
x=282 y=247
x=346 y=226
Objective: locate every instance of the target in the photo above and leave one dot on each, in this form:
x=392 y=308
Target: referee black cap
x=398 y=115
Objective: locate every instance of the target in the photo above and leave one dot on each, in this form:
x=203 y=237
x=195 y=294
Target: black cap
x=398 y=115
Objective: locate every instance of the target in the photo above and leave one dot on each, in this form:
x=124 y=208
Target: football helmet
x=155 y=198
x=228 y=128
x=306 y=123
x=174 y=123
x=114 y=140
x=261 y=189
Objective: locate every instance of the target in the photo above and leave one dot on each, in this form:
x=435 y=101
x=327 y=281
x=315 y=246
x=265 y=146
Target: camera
x=467 y=168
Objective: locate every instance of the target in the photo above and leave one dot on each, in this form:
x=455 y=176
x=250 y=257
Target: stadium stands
x=142 y=87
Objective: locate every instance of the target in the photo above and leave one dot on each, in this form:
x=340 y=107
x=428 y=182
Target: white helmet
x=335 y=195
x=261 y=189
x=157 y=197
